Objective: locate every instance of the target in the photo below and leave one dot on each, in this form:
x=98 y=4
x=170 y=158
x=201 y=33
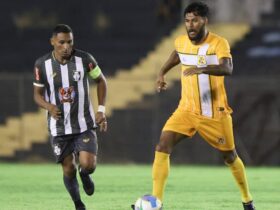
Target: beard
x=200 y=34
x=66 y=55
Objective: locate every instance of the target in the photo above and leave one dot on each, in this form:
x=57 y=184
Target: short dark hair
x=61 y=28
x=198 y=8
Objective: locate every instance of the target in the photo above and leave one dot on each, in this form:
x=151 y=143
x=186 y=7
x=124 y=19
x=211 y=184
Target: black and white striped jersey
x=67 y=87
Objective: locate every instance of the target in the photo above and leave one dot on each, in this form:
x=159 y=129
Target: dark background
x=121 y=33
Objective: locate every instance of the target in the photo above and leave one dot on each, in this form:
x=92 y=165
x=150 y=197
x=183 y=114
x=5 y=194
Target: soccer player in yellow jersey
x=205 y=59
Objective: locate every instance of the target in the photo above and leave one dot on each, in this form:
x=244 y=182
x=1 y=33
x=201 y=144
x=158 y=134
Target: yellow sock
x=238 y=171
x=161 y=167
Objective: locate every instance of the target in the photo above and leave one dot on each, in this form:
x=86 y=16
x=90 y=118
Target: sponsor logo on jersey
x=220 y=109
x=53 y=74
x=37 y=75
x=86 y=140
x=221 y=140
x=66 y=94
x=90 y=65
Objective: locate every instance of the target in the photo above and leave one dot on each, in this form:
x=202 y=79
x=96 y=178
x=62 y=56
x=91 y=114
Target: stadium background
x=131 y=40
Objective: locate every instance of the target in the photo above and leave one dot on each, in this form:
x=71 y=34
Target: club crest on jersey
x=76 y=75
x=66 y=94
x=201 y=61
x=57 y=149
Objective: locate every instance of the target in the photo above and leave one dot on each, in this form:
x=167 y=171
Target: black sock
x=72 y=187
x=79 y=203
x=85 y=172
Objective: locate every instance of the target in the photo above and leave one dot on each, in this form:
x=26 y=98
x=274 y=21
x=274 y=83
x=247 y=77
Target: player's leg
x=177 y=127
x=86 y=168
x=63 y=148
x=71 y=182
x=219 y=134
x=237 y=168
x=86 y=147
x=161 y=165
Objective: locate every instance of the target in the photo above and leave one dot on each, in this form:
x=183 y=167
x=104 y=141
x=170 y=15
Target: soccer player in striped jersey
x=205 y=59
x=61 y=87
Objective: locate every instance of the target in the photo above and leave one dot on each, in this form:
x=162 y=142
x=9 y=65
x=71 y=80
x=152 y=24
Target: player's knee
x=163 y=147
x=88 y=169
x=229 y=157
x=88 y=163
x=91 y=169
x=69 y=170
x=166 y=142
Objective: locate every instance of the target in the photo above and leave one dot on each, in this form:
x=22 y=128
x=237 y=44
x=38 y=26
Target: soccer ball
x=148 y=202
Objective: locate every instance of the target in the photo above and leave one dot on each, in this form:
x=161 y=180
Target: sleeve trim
x=38 y=84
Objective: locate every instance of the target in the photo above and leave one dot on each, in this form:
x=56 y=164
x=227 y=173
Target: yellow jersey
x=203 y=94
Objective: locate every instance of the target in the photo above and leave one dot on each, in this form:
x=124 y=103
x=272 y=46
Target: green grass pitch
x=40 y=187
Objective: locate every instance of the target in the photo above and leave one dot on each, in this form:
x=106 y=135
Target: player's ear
x=206 y=20
x=52 y=41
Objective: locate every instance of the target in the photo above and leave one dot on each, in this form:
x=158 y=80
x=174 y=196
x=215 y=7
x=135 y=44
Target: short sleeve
x=223 y=49
x=176 y=44
x=90 y=62
x=179 y=43
x=38 y=75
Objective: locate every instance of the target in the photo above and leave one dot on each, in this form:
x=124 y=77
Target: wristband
x=101 y=108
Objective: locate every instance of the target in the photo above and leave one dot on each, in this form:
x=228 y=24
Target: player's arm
x=172 y=61
x=101 y=96
x=96 y=74
x=40 y=101
x=224 y=68
x=38 y=93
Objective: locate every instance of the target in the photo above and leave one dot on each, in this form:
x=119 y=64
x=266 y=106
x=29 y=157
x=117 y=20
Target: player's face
x=63 y=44
x=195 y=26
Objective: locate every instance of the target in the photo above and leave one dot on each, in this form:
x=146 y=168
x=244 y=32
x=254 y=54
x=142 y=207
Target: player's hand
x=161 y=84
x=101 y=121
x=54 y=111
x=192 y=71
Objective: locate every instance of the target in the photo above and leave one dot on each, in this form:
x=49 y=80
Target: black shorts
x=63 y=146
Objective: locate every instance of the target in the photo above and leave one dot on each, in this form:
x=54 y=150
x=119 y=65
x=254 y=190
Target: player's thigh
x=181 y=123
x=62 y=147
x=168 y=139
x=218 y=132
x=87 y=147
x=68 y=165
